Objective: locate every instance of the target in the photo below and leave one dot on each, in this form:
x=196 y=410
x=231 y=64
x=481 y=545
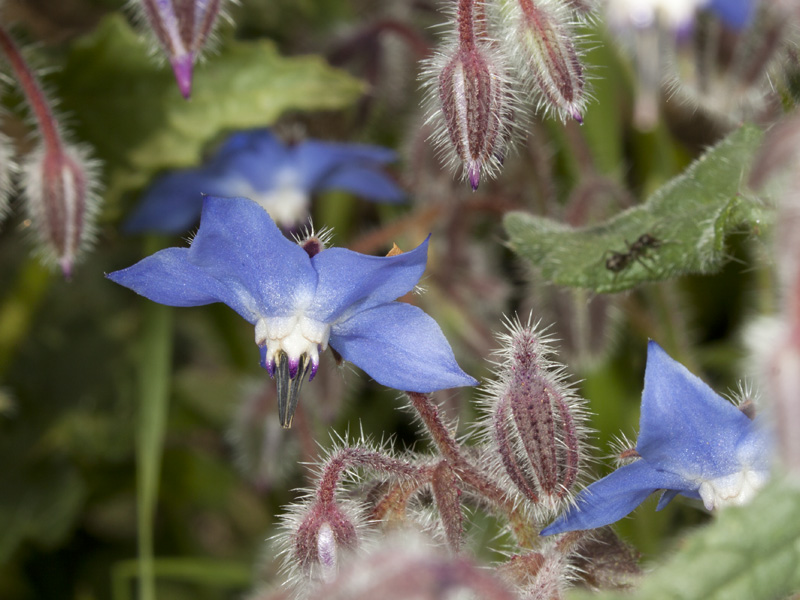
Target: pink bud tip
x=474 y=176
x=66 y=268
x=182 y=67
x=578 y=117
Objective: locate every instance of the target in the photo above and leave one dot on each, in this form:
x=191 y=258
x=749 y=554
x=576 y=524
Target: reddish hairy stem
x=33 y=91
x=359 y=457
x=466 y=25
x=467 y=472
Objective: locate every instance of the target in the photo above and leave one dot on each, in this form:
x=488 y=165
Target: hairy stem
x=469 y=473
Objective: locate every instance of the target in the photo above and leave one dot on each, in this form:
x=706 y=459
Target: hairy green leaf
x=128 y=107
x=689 y=217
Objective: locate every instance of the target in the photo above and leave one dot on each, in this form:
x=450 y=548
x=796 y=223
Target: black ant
x=619 y=261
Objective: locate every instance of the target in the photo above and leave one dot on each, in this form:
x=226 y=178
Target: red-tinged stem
x=469 y=474
x=347 y=458
x=466 y=25
x=33 y=91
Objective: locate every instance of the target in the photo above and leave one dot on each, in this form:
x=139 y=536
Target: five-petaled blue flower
x=691 y=442
x=301 y=300
x=281 y=178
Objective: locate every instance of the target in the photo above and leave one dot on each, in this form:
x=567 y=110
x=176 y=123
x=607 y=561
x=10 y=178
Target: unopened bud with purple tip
x=322 y=536
x=182 y=28
x=535 y=425
x=58 y=178
x=471 y=98
x=542 y=41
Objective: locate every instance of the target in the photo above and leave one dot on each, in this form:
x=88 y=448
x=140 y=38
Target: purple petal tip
x=578 y=117
x=182 y=67
x=66 y=268
x=474 y=176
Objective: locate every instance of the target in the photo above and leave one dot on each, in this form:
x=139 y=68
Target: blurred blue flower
x=736 y=14
x=281 y=178
x=303 y=298
x=691 y=442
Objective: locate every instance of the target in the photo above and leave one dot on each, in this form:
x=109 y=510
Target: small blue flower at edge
x=256 y=164
x=691 y=442
x=736 y=14
x=300 y=304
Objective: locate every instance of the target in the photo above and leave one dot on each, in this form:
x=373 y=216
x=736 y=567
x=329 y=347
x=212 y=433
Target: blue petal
x=737 y=14
x=173 y=203
x=613 y=497
x=318 y=160
x=667 y=496
x=238 y=244
x=685 y=426
x=252 y=160
x=349 y=281
x=400 y=347
x=169 y=277
x=367 y=182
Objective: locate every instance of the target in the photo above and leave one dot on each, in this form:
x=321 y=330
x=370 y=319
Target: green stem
x=154 y=379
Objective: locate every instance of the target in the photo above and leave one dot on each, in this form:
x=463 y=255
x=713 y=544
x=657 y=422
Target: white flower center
x=732 y=490
x=295 y=335
x=287 y=203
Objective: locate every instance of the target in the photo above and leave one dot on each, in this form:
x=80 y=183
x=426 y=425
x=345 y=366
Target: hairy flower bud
x=535 y=424
x=182 y=28
x=323 y=534
x=470 y=100
x=58 y=179
x=545 y=53
x=7 y=167
x=407 y=566
x=57 y=184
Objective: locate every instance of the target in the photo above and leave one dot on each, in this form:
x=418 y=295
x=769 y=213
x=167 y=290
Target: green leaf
x=748 y=553
x=128 y=107
x=39 y=503
x=690 y=217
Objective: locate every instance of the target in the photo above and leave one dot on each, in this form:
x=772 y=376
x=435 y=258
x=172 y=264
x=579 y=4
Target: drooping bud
x=471 y=98
x=322 y=536
x=546 y=55
x=182 y=28
x=7 y=167
x=58 y=179
x=535 y=425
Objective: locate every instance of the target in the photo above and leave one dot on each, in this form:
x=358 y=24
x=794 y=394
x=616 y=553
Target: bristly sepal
x=470 y=99
x=535 y=423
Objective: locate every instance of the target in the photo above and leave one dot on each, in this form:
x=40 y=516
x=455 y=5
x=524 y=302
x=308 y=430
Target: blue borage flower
x=281 y=178
x=300 y=303
x=691 y=442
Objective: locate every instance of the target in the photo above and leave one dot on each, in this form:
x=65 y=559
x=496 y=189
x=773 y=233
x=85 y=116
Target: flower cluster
x=280 y=177
x=303 y=298
x=721 y=63
x=691 y=442
x=497 y=52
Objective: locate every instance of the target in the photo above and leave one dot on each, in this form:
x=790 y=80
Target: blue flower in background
x=303 y=298
x=736 y=14
x=281 y=178
x=691 y=442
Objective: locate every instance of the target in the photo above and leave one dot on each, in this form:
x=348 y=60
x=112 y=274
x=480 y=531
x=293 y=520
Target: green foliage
x=690 y=216
x=39 y=503
x=749 y=552
x=130 y=110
